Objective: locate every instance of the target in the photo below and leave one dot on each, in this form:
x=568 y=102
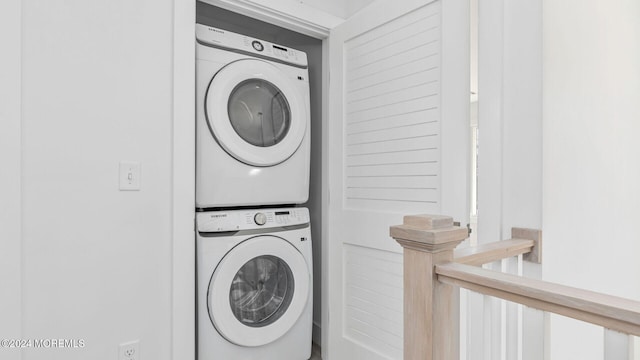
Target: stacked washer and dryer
x=253 y=244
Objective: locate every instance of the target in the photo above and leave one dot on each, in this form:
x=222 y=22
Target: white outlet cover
x=129 y=351
x=129 y=176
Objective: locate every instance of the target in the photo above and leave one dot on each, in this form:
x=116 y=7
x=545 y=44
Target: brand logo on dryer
x=216 y=30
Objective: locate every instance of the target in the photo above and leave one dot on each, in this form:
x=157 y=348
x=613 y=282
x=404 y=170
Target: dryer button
x=257 y=45
x=260 y=218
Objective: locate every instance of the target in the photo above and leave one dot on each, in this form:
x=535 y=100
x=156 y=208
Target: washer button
x=260 y=218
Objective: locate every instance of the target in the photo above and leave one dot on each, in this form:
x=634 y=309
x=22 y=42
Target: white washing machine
x=254 y=284
x=252 y=121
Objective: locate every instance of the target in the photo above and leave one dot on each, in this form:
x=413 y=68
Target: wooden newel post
x=431 y=308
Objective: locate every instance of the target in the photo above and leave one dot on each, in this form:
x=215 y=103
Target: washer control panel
x=230 y=40
x=236 y=220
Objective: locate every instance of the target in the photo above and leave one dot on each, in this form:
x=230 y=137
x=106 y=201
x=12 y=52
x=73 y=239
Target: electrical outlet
x=129 y=351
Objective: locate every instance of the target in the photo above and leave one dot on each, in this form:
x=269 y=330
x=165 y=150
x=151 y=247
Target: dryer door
x=255 y=112
x=258 y=291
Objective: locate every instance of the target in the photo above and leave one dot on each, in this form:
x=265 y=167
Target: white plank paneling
x=384 y=86
x=388 y=98
x=392 y=114
x=411 y=103
x=407 y=143
x=393 y=131
x=392 y=157
x=406 y=117
x=376 y=69
x=412 y=85
x=373 y=299
x=393 y=182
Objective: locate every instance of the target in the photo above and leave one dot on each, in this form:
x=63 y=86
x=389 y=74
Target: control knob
x=260 y=218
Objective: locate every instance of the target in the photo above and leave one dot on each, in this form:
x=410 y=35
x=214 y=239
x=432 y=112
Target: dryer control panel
x=248 y=45
x=236 y=220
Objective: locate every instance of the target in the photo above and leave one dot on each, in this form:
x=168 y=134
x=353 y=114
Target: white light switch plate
x=129 y=175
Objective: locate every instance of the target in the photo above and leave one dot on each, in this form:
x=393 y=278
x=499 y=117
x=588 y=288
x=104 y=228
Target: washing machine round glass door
x=258 y=291
x=256 y=112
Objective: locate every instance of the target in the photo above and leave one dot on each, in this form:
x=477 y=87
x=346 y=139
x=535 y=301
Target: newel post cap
x=430 y=233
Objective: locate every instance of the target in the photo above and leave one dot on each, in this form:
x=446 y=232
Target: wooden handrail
x=527 y=242
x=433 y=272
x=487 y=253
x=611 y=312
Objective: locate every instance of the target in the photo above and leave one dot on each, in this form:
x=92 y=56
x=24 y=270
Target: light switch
x=129 y=175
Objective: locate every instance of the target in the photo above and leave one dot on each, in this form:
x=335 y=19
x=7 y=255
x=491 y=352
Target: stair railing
x=434 y=271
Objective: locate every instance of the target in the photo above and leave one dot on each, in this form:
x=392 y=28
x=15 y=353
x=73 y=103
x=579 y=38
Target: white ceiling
x=340 y=8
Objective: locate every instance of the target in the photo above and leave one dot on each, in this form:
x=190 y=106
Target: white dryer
x=252 y=121
x=254 y=284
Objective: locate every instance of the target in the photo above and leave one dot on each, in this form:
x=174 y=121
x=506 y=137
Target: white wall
x=10 y=143
x=96 y=89
x=339 y=8
x=509 y=104
x=509 y=160
x=183 y=181
x=591 y=156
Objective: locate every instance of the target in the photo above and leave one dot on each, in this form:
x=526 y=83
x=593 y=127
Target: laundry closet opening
x=210 y=15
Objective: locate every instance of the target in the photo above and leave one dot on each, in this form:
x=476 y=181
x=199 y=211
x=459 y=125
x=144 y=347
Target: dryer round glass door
x=259 y=113
x=256 y=112
x=258 y=291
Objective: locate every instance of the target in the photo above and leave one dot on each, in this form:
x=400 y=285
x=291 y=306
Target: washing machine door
x=256 y=112
x=258 y=291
